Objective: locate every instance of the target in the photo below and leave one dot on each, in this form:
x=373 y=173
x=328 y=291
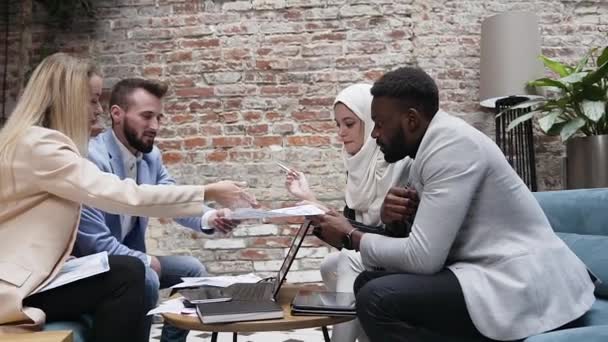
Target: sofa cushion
x=586 y=334
x=576 y=211
x=593 y=251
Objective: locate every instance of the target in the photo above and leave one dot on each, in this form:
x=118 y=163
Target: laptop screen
x=291 y=255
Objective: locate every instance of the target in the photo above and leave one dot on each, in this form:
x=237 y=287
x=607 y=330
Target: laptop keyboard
x=247 y=291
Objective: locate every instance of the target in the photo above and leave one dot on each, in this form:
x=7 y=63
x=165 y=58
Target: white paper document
x=79 y=268
x=300 y=210
x=220 y=281
x=175 y=306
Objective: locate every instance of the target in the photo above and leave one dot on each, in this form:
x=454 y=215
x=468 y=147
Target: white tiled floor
x=301 y=335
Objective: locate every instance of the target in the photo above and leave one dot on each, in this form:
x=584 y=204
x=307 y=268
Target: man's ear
x=116 y=113
x=413 y=119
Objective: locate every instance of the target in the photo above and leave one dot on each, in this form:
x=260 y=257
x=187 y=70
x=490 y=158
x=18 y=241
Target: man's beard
x=135 y=142
x=396 y=149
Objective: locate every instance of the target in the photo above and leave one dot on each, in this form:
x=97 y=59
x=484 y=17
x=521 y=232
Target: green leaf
x=547 y=82
x=593 y=110
x=561 y=69
x=520 y=119
x=571 y=128
x=596 y=75
x=556 y=129
x=583 y=62
x=547 y=121
x=603 y=58
x=573 y=78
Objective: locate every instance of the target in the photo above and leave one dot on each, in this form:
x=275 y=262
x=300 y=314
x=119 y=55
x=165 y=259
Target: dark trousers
x=410 y=307
x=114 y=299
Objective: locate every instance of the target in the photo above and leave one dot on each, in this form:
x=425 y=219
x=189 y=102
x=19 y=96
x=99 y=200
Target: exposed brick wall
x=246 y=75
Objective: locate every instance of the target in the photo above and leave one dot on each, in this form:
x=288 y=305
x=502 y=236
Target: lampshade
x=510 y=46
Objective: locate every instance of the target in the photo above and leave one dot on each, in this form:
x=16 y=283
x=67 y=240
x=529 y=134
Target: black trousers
x=410 y=307
x=114 y=299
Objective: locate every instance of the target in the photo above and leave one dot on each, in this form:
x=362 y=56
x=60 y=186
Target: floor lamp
x=510 y=46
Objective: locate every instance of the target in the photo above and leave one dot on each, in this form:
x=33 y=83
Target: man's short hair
x=121 y=92
x=411 y=85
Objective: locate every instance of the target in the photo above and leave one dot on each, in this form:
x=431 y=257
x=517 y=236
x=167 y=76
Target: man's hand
x=155 y=265
x=331 y=228
x=220 y=220
x=400 y=205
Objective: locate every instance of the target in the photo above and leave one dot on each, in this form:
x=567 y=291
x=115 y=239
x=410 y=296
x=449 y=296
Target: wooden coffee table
x=288 y=322
x=43 y=336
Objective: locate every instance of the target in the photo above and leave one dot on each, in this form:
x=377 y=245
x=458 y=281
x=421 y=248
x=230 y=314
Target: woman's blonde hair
x=56 y=96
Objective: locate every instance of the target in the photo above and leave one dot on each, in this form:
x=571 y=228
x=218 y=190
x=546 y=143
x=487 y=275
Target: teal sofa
x=580 y=218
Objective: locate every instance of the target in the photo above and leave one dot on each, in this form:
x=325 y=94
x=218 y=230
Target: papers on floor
x=300 y=210
x=79 y=268
x=221 y=281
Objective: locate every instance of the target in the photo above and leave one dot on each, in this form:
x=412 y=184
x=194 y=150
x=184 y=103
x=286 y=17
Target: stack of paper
x=301 y=210
x=220 y=281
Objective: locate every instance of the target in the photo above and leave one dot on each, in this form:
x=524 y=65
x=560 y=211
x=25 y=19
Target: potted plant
x=576 y=109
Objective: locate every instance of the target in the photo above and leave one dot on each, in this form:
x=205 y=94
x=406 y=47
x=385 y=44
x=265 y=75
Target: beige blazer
x=477 y=218
x=40 y=210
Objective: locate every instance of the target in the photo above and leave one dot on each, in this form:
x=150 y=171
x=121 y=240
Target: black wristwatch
x=347 y=240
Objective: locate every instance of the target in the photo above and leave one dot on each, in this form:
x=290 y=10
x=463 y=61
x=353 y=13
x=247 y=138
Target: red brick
x=263 y=51
x=311 y=115
x=396 y=34
x=229 y=117
x=257 y=129
x=209 y=130
x=283 y=128
x=209 y=117
x=318 y=127
x=165 y=145
x=175 y=107
x=267 y=141
x=233 y=104
x=252 y=115
x=172 y=157
x=314 y=140
x=194 y=92
x=199 y=105
x=179 y=56
x=236 y=53
x=192 y=143
x=230 y=141
x=329 y=36
x=182 y=82
x=253 y=254
x=280 y=90
x=200 y=43
x=317 y=101
x=217 y=156
x=273 y=116
x=152 y=71
x=181 y=118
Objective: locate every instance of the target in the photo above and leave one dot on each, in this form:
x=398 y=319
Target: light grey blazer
x=477 y=218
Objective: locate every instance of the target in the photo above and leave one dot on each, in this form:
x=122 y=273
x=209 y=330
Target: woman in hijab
x=369 y=177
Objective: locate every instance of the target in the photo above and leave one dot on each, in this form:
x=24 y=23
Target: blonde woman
x=369 y=177
x=44 y=179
